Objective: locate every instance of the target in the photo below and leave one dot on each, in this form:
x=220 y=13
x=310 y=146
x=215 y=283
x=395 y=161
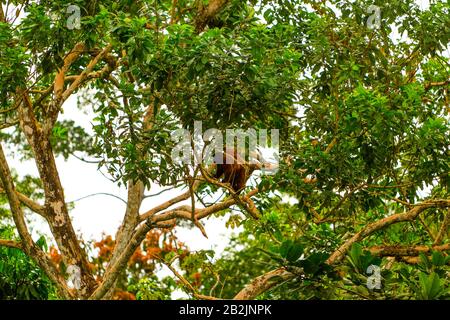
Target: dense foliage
x=361 y=102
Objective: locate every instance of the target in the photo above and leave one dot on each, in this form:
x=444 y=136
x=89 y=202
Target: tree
x=20 y=278
x=363 y=120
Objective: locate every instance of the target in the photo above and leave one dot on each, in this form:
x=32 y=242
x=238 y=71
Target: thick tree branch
x=150 y=213
x=102 y=73
x=443 y=231
x=115 y=268
x=56 y=211
x=166 y=219
x=264 y=283
x=27 y=243
x=398 y=251
x=2 y=15
x=10 y=244
x=272 y=278
x=206 y=13
x=61 y=95
x=58 y=86
x=125 y=231
x=185 y=212
x=410 y=215
x=429 y=85
x=31 y=204
x=9 y=124
x=131 y=218
x=82 y=77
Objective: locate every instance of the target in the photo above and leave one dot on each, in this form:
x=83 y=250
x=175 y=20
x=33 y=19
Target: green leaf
x=431 y=287
x=437 y=258
x=42 y=243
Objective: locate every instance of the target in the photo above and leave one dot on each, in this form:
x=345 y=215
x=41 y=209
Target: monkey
x=233 y=168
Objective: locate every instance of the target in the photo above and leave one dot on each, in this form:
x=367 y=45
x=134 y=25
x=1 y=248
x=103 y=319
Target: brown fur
x=235 y=173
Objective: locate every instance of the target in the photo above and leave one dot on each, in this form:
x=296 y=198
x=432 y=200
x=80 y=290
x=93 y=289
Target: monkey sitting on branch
x=235 y=170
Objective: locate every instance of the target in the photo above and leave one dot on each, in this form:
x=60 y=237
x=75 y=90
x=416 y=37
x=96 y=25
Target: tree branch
x=263 y=283
x=186 y=283
x=120 y=262
x=130 y=220
x=79 y=80
x=10 y=244
x=9 y=124
x=399 y=251
x=272 y=278
x=185 y=212
x=56 y=211
x=166 y=219
x=2 y=15
x=383 y=223
x=58 y=86
x=429 y=85
x=164 y=206
x=443 y=230
x=27 y=243
x=32 y=205
x=206 y=13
